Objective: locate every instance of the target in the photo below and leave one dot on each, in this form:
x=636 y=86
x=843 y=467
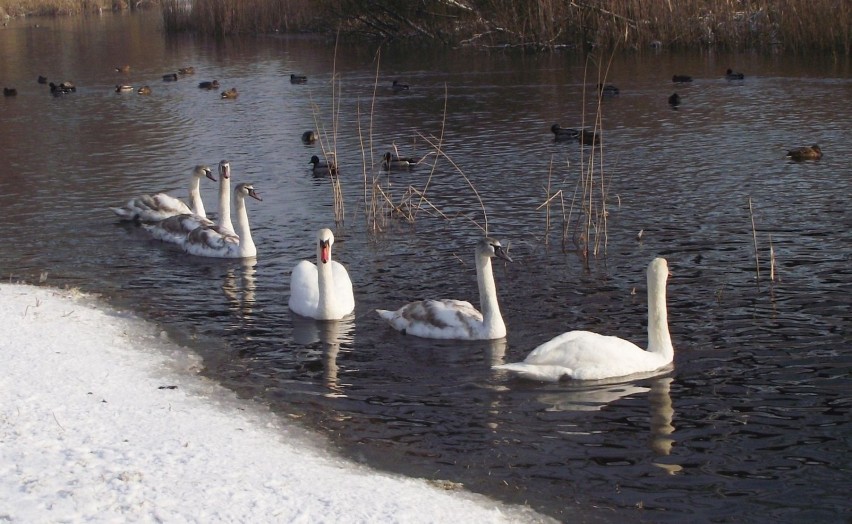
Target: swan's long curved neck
x=491 y=317
x=225 y=204
x=325 y=281
x=659 y=339
x=195 y=202
x=243 y=230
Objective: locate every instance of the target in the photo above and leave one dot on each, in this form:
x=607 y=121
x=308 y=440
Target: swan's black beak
x=499 y=252
x=209 y=174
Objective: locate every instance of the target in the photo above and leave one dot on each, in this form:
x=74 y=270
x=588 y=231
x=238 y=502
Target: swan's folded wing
x=345 y=298
x=446 y=319
x=304 y=289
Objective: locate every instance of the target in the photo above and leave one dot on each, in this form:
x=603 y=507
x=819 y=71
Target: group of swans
x=579 y=355
x=169 y=219
x=323 y=290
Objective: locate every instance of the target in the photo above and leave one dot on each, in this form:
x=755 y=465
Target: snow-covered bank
x=103 y=420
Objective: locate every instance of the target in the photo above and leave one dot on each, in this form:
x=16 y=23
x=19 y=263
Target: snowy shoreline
x=105 y=419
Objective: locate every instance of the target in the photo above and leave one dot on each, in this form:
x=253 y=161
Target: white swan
x=323 y=290
x=175 y=228
x=151 y=208
x=207 y=241
x=457 y=319
x=583 y=355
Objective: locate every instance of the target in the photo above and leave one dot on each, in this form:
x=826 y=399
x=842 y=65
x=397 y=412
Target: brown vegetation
x=541 y=24
x=796 y=25
x=61 y=7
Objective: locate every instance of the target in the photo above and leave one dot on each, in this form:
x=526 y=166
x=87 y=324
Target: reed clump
x=539 y=24
x=225 y=17
x=16 y=8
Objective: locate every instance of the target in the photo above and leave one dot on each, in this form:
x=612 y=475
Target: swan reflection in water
x=239 y=286
x=330 y=334
x=595 y=395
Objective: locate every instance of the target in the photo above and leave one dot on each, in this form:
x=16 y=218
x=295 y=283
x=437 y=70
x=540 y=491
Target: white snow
x=88 y=435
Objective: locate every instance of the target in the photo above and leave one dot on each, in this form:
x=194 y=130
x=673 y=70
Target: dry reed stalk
x=754 y=238
x=771 y=260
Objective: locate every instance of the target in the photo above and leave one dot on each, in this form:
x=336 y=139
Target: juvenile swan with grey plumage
x=457 y=319
x=152 y=208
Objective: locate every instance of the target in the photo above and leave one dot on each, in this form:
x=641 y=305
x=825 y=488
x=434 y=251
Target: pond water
x=752 y=424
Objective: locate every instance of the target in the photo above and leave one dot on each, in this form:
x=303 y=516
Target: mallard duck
x=457 y=319
x=10 y=91
x=608 y=90
x=309 y=137
x=680 y=79
x=805 y=153
x=189 y=70
x=144 y=90
x=230 y=93
x=123 y=69
x=730 y=75
x=42 y=79
x=323 y=168
x=674 y=99
x=391 y=163
x=62 y=89
x=123 y=88
x=214 y=84
x=171 y=77
x=298 y=79
x=584 y=355
x=567 y=133
x=397 y=86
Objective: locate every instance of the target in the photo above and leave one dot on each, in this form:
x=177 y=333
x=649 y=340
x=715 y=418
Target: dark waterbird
x=674 y=100
x=213 y=84
x=681 y=79
x=323 y=168
x=731 y=75
x=309 y=137
x=171 y=77
x=397 y=86
x=608 y=90
x=10 y=91
x=584 y=136
x=392 y=163
x=805 y=153
x=62 y=89
x=298 y=79
x=42 y=79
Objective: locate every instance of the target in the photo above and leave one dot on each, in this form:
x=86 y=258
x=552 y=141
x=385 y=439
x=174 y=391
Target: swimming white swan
x=323 y=290
x=175 y=228
x=207 y=241
x=457 y=319
x=151 y=208
x=583 y=355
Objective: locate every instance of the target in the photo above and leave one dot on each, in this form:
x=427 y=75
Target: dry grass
x=223 y=17
x=60 y=7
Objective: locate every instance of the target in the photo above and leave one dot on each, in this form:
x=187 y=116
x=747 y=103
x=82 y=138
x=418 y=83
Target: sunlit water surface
x=751 y=425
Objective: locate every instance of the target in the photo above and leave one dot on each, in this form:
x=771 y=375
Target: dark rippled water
x=751 y=425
